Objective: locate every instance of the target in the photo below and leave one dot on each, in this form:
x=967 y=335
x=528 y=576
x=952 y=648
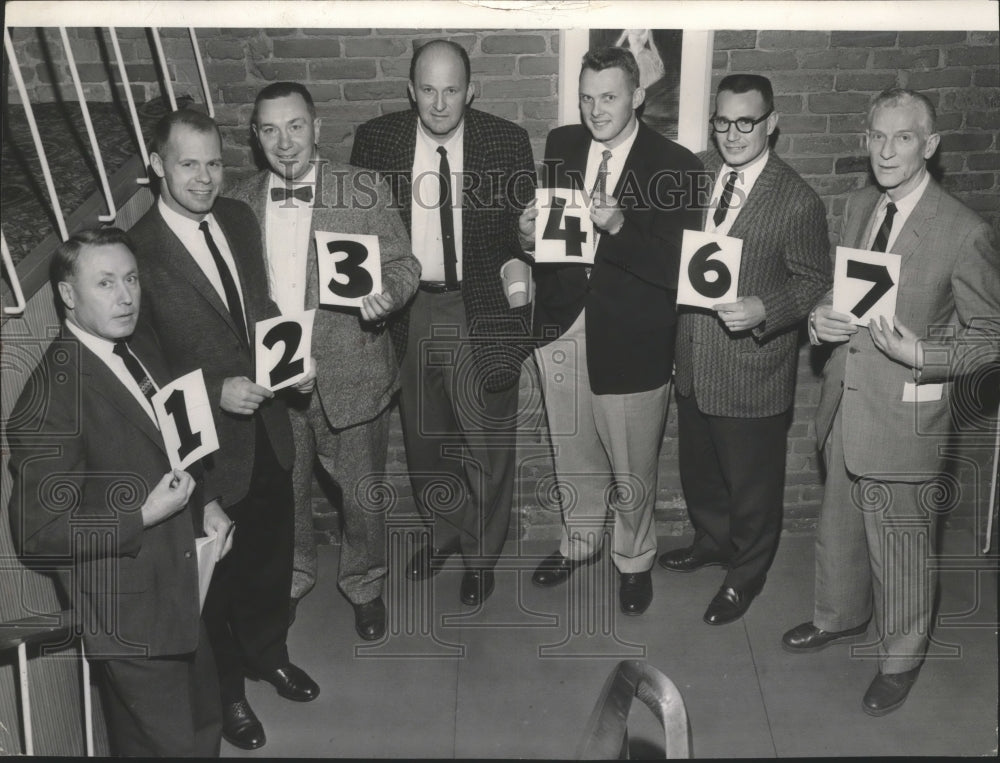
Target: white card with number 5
x=865 y=284
x=710 y=269
x=350 y=268
x=282 y=350
x=185 y=417
x=564 y=232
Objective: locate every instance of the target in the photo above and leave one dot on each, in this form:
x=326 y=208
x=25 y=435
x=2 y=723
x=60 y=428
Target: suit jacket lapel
x=918 y=222
x=760 y=195
x=858 y=226
x=233 y=237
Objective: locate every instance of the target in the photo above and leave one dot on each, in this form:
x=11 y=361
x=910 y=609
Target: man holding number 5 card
x=345 y=421
x=204 y=289
x=736 y=361
x=885 y=412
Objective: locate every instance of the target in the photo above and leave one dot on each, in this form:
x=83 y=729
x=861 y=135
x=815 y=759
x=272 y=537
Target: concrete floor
x=519 y=678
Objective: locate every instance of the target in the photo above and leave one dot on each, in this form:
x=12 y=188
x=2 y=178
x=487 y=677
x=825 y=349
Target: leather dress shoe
x=240 y=727
x=292 y=683
x=808 y=638
x=635 y=592
x=688 y=560
x=369 y=619
x=729 y=604
x=477 y=585
x=556 y=568
x=428 y=561
x=888 y=691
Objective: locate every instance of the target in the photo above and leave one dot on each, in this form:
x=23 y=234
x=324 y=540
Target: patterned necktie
x=228 y=284
x=302 y=193
x=135 y=368
x=447 y=220
x=725 y=200
x=601 y=181
x=885 y=230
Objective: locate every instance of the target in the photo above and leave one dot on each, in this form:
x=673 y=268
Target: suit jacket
x=356 y=369
x=197 y=331
x=84 y=456
x=786 y=262
x=500 y=181
x=949 y=291
x=632 y=290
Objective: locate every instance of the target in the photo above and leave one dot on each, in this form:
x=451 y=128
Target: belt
x=438 y=287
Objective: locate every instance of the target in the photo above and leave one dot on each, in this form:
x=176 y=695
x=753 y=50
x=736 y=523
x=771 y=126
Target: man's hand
x=307 y=382
x=832 y=326
x=242 y=396
x=742 y=315
x=170 y=495
x=376 y=307
x=605 y=213
x=217 y=522
x=899 y=344
x=526 y=226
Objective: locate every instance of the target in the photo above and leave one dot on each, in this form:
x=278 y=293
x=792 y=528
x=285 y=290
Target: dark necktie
x=447 y=221
x=228 y=284
x=885 y=230
x=283 y=193
x=135 y=368
x=725 y=200
x=601 y=181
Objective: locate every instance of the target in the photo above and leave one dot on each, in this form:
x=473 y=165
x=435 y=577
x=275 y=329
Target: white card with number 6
x=282 y=351
x=185 y=417
x=710 y=269
x=350 y=268
x=865 y=284
x=564 y=232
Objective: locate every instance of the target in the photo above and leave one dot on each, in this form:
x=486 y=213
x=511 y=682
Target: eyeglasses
x=743 y=124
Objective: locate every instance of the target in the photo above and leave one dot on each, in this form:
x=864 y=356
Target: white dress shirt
x=616 y=163
x=288 y=224
x=746 y=178
x=426 y=220
x=904 y=207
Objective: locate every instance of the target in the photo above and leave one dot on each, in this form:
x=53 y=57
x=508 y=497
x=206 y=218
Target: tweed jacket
x=356 y=369
x=632 y=289
x=197 y=331
x=499 y=182
x=949 y=293
x=83 y=463
x=786 y=262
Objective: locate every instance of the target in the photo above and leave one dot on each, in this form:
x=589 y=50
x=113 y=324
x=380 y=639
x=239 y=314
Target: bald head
x=441 y=48
x=440 y=88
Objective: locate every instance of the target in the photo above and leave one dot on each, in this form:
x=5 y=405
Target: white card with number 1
x=185 y=417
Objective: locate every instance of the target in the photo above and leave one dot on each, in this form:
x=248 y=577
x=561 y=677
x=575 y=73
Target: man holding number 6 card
x=92 y=482
x=737 y=360
x=607 y=334
x=204 y=289
x=885 y=412
x=345 y=421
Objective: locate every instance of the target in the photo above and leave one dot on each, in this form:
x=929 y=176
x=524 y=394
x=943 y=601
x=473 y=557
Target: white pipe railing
x=163 y=66
x=144 y=180
x=15 y=284
x=85 y=110
x=201 y=73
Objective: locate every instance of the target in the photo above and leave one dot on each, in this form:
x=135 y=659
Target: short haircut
x=62 y=266
x=196 y=120
x=745 y=83
x=612 y=58
x=282 y=90
x=898 y=96
x=454 y=47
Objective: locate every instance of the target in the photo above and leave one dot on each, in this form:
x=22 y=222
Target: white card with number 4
x=282 y=351
x=865 y=284
x=564 y=232
x=710 y=269
x=185 y=417
x=350 y=268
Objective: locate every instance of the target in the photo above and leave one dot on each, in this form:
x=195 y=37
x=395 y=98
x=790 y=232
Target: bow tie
x=302 y=193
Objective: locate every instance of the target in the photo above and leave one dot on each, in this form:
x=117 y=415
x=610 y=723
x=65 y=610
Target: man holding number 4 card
x=885 y=413
x=737 y=359
x=345 y=421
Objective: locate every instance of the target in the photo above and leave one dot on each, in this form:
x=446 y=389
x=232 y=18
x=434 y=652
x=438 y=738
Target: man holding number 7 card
x=885 y=411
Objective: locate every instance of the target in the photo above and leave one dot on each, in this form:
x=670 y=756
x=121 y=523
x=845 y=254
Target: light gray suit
x=881 y=453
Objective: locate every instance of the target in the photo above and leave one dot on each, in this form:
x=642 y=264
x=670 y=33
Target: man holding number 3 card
x=204 y=290
x=885 y=412
x=92 y=481
x=736 y=361
x=607 y=334
x=345 y=421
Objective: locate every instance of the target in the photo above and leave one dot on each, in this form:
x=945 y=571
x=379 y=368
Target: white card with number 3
x=350 y=268
x=710 y=269
x=185 y=417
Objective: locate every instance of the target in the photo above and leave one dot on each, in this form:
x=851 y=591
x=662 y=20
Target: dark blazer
x=84 y=456
x=632 y=290
x=356 y=369
x=500 y=182
x=197 y=331
x=786 y=262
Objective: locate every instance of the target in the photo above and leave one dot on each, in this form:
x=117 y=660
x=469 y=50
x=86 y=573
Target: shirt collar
x=101 y=347
x=175 y=220
x=622 y=149
x=450 y=145
x=906 y=204
x=748 y=173
x=277 y=181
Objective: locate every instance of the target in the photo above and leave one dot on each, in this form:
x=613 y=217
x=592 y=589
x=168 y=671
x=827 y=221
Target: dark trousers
x=733 y=475
x=460 y=439
x=163 y=707
x=246 y=610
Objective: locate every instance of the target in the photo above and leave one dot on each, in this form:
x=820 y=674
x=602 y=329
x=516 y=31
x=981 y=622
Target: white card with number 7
x=185 y=417
x=282 y=351
x=710 y=269
x=350 y=268
x=564 y=232
x=865 y=284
